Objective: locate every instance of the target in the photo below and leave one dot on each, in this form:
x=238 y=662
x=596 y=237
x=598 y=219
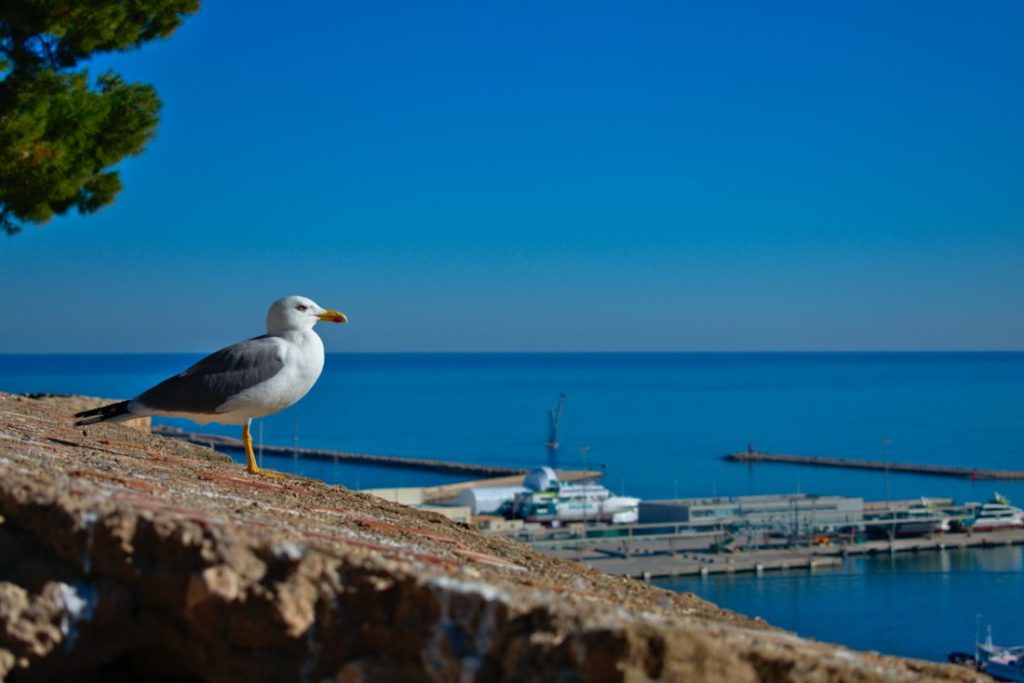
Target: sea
x=658 y=425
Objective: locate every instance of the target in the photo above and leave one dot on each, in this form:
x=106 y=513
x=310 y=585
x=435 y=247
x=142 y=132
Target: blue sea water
x=921 y=605
x=659 y=424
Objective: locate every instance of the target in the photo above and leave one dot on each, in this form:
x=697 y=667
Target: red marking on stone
x=248 y=481
x=265 y=485
x=484 y=558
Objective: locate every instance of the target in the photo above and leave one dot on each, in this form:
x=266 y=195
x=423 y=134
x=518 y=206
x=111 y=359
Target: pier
x=702 y=564
x=218 y=441
x=762 y=534
x=489 y=475
x=639 y=554
x=849 y=463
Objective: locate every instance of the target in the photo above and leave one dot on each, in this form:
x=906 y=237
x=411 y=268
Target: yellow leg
x=251 y=466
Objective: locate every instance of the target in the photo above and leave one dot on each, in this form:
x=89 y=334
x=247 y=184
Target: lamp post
x=586 y=494
x=885 y=454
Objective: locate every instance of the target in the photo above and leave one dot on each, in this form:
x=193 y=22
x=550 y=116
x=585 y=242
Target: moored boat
x=548 y=500
x=921 y=519
x=996 y=514
x=1001 y=663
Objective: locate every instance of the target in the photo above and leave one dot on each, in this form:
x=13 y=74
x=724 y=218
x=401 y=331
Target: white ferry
x=996 y=514
x=551 y=501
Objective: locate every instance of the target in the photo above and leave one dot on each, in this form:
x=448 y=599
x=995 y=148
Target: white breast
x=303 y=362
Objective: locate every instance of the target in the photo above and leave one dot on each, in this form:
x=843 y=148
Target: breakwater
x=218 y=441
x=850 y=463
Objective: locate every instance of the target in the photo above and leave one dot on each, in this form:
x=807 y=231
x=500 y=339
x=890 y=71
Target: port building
x=786 y=512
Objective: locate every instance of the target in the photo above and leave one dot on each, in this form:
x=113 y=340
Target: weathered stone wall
x=125 y=556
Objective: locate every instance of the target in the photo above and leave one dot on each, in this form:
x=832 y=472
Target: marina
x=683 y=537
x=774 y=532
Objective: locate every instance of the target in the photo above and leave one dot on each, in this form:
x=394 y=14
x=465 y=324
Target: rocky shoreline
x=128 y=556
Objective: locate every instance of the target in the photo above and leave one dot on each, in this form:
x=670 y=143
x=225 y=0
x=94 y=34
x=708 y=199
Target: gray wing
x=208 y=384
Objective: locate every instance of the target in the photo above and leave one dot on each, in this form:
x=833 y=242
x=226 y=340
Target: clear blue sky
x=558 y=176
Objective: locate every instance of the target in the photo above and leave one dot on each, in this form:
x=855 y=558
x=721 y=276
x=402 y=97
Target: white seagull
x=250 y=379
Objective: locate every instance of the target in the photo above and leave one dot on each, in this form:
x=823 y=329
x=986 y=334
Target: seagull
x=247 y=380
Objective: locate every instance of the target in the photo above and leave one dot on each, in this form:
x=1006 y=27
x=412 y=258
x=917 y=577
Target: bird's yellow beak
x=333 y=317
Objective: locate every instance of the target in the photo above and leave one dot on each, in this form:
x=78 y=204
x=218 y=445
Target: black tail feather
x=102 y=414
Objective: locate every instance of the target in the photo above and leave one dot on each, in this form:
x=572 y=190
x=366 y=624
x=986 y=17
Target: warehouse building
x=788 y=512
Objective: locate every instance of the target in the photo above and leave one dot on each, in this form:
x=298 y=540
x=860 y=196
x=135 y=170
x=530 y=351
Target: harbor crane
x=554 y=417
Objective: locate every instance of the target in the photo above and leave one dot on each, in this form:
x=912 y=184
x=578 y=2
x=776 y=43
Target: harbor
x=654 y=454
x=559 y=513
x=649 y=539
x=680 y=537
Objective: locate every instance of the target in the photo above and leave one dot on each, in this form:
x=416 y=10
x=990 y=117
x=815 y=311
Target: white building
x=488 y=500
x=787 y=512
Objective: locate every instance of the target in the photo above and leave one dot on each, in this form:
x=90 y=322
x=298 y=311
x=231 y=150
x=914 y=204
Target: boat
x=920 y=522
x=550 y=501
x=920 y=519
x=1001 y=663
x=996 y=514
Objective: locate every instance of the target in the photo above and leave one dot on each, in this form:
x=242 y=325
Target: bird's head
x=299 y=313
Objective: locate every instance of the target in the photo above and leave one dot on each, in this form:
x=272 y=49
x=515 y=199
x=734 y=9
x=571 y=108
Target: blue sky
x=558 y=176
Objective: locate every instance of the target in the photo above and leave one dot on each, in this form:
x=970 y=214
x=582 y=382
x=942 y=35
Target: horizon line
x=553 y=352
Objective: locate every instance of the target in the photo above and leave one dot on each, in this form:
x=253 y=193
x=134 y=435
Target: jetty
x=485 y=475
x=218 y=441
x=635 y=551
x=975 y=473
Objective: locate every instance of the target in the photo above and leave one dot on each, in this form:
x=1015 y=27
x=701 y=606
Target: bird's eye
x=302 y=307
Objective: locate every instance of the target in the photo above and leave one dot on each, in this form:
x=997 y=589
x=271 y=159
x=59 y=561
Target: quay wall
x=433 y=465
x=850 y=463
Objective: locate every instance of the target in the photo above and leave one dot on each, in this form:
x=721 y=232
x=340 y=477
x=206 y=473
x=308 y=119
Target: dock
x=430 y=464
x=901 y=467
x=698 y=564
x=675 y=550
x=487 y=475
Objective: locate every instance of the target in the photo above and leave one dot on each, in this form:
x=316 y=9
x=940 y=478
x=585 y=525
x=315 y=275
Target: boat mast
x=554 y=417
